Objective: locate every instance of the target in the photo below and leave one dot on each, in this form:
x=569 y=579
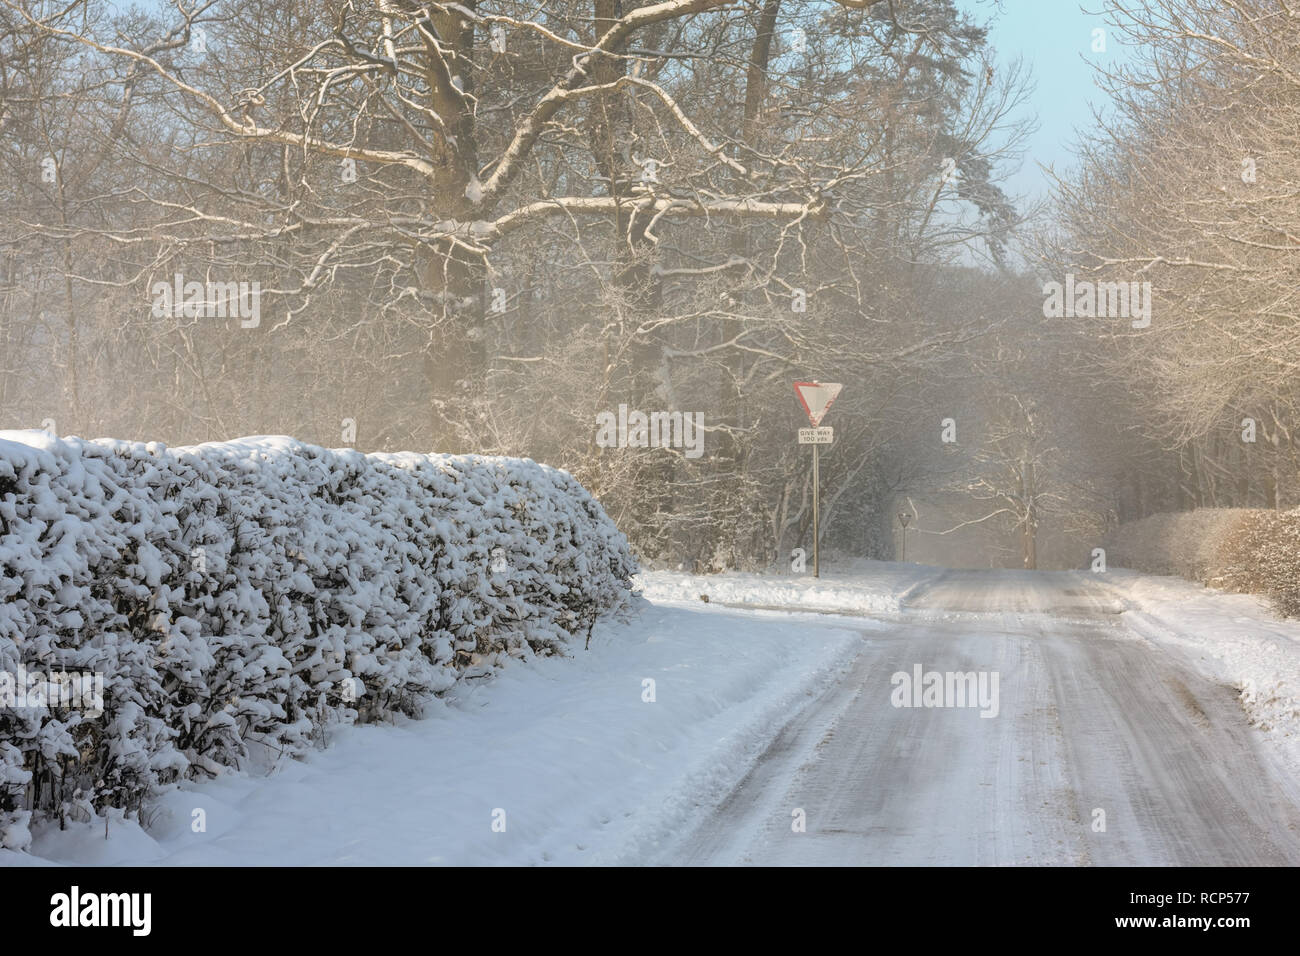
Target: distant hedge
x=1237 y=549
x=237 y=597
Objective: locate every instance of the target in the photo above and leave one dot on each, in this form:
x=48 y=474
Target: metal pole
x=904 y=558
x=817 y=538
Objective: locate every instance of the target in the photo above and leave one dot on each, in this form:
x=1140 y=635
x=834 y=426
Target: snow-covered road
x=1092 y=719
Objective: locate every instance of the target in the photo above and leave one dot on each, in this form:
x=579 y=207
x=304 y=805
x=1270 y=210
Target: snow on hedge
x=237 y=597
x=1189 y=544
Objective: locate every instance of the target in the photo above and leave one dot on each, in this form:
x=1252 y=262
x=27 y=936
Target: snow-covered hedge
x=1263 y=557
x=237 y=597
x=1238 y=549
x=1185 y=543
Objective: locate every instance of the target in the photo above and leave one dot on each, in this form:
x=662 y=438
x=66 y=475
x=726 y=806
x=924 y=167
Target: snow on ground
x=854 y=586
x=567 y=748
x=1234 y=638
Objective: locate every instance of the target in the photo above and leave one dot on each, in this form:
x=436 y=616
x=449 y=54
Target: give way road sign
x=816 y=398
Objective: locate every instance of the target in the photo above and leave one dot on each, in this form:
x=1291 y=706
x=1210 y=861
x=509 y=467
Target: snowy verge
x=1233 y=638
x=858 y=586
x=574 y=760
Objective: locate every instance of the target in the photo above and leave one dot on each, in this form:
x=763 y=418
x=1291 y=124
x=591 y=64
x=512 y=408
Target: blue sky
x=1053 y=37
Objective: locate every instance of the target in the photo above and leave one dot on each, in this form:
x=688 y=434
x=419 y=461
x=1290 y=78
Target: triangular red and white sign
x=816 y=398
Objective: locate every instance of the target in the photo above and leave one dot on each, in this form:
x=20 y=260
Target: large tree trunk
x=455 y=275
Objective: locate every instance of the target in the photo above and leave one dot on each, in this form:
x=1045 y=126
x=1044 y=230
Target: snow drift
x=238 y=597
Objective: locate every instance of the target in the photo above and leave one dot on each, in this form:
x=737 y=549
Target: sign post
x=817 y=513
x=816 y=399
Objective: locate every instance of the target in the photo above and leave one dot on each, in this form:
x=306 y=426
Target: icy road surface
x=1092 y=718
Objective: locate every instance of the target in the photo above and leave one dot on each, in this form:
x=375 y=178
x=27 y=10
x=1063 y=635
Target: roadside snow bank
x=235 y=598
x=857 y=586
x=1233 y=638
